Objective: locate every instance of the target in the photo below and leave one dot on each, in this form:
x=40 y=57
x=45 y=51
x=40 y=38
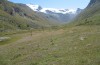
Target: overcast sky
x=66 y=4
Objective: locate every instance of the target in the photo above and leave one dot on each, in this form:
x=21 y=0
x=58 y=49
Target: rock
x=4 y=38
x=88 y=44
x=82 y=38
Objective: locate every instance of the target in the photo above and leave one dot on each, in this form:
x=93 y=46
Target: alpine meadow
x=33 y=35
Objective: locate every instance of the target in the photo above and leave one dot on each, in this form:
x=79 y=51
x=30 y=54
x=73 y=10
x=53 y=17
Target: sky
x=65 y=4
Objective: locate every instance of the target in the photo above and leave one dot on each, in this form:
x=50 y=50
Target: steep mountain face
x=62 y=15
x=19 y=16
x=93 y=2
x=90 y=15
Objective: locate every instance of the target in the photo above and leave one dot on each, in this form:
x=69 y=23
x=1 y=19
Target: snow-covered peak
x=54 y=10
x=63 y=11
x=34 y=7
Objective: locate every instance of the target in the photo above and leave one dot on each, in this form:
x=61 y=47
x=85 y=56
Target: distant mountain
x=54 y=10
x=78 y=11
x=34 y=7
x=62 y=15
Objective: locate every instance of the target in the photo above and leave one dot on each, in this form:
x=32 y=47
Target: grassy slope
x=89 y=16
x=19 y=16
x=70 y=46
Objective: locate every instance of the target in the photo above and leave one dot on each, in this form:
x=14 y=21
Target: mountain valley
x=34 y=37
x=62 y=15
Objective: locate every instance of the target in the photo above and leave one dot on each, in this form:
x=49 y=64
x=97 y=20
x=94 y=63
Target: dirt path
x=26 y=37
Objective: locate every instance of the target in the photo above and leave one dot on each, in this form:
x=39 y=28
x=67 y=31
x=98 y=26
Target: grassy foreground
x=78 y=45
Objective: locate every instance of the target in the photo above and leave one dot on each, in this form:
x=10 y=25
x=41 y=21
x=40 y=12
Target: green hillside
x=19 y=16
x=90 y=15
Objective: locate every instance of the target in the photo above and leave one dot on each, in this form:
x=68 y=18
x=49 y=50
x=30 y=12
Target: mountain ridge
x=61 y=15
x=55 y=10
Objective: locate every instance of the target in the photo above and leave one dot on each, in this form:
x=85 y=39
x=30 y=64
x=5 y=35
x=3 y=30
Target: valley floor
x=78 y=45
